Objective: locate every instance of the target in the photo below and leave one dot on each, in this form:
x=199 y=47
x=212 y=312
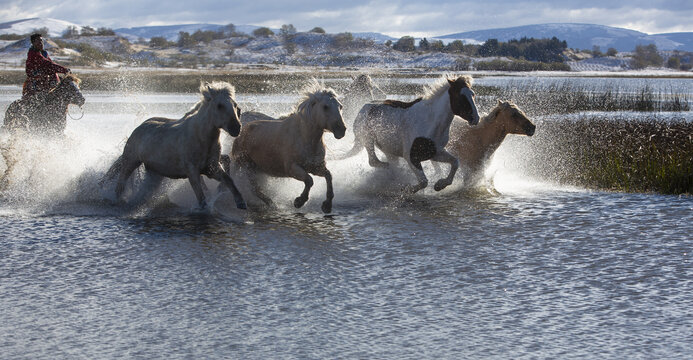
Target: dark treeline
x=542 y=50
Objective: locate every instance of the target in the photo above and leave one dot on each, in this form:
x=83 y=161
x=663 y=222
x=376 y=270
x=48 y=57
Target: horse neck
x=440 y=107
x=490 y=130
x=309 y=133
x=55 y=99
x=200 y=124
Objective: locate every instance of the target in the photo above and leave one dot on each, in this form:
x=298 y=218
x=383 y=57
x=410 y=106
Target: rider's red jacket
x=41 y=71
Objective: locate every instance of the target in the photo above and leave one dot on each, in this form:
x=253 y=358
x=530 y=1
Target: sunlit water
x=519 y=269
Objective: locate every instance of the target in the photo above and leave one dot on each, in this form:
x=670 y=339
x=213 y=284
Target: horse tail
x=359 y=132
x=352 y=152
x=113 y=171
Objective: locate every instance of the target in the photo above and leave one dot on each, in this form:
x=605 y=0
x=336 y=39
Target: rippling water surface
x=523 y=270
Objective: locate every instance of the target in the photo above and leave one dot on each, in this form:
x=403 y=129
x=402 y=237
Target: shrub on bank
x=520 y=65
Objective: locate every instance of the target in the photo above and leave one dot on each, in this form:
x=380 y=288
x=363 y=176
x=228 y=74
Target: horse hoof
x=326 y=207
x=299 y=201
x=440 y=185
x=201 y=210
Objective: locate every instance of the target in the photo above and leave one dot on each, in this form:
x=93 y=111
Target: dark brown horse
x=40 y=114
x=45 y=113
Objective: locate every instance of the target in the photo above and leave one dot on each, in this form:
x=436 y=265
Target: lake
x=523 y=268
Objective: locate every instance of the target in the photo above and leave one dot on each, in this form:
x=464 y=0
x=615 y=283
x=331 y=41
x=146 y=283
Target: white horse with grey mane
x=185 y=148
x=418 y=130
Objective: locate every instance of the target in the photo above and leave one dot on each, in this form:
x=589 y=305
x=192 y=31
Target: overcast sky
x=393 y=17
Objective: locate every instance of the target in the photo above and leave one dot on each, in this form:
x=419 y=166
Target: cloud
x=393 y=17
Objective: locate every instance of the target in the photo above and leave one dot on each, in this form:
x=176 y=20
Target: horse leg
x=9 y=166
x=221 y=176
x=195 y=180
x=300 y=174
x=446 y=157
x=373 y=160
x=255 y=188
x=152 y=182
x=327 y=204
x=422 y=181
x=127 y=167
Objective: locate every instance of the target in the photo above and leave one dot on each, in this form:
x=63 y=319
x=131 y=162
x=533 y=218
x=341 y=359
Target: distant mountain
x=56 y=28
x=580 y=36
x=377 y=37
x=583 y=36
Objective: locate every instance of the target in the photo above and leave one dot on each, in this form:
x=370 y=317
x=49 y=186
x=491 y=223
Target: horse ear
x=499 y=101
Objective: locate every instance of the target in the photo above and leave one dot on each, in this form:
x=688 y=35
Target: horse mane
x=442 y=85
x=68 y=77
x=73 y=78
x=401 y=104
x=211 y=91
x=502 y=105
x=313 y=92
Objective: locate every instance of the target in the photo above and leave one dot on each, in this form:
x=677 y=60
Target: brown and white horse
x=417 y=130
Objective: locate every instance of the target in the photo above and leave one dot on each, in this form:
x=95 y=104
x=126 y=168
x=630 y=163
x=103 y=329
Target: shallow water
x=521 y=269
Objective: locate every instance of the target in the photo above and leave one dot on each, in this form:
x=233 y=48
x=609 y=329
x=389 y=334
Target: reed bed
x=564 y=98
x=615 y=153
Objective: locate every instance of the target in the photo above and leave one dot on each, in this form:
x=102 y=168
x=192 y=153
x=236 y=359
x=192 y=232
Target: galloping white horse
x=474 y=145
x=417 y=130
x=292 y=146
x=185 y=148
x=362 y=90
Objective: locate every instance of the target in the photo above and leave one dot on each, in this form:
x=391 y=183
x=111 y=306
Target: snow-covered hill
x=583 y=36
x=309 y=49
x=26 y=26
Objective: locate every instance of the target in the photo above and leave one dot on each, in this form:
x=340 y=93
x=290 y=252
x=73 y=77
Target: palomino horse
x=418 y=130
x=292 y=146
x=185 y=148
x=45 y=113
x=474 y=145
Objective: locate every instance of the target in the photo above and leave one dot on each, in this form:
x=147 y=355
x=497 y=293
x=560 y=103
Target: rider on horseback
x=41 y=71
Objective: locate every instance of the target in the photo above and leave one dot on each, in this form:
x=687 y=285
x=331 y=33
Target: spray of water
x=67 y=173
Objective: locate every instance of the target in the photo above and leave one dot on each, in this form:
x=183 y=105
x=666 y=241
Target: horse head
x=323 y=108
x=363 y=85
x=68 y=90
x=219 y=97
x=514 y=120
x=462 y=99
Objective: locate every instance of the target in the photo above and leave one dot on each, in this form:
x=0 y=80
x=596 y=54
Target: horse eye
x=325 y=107
x=220 y=106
